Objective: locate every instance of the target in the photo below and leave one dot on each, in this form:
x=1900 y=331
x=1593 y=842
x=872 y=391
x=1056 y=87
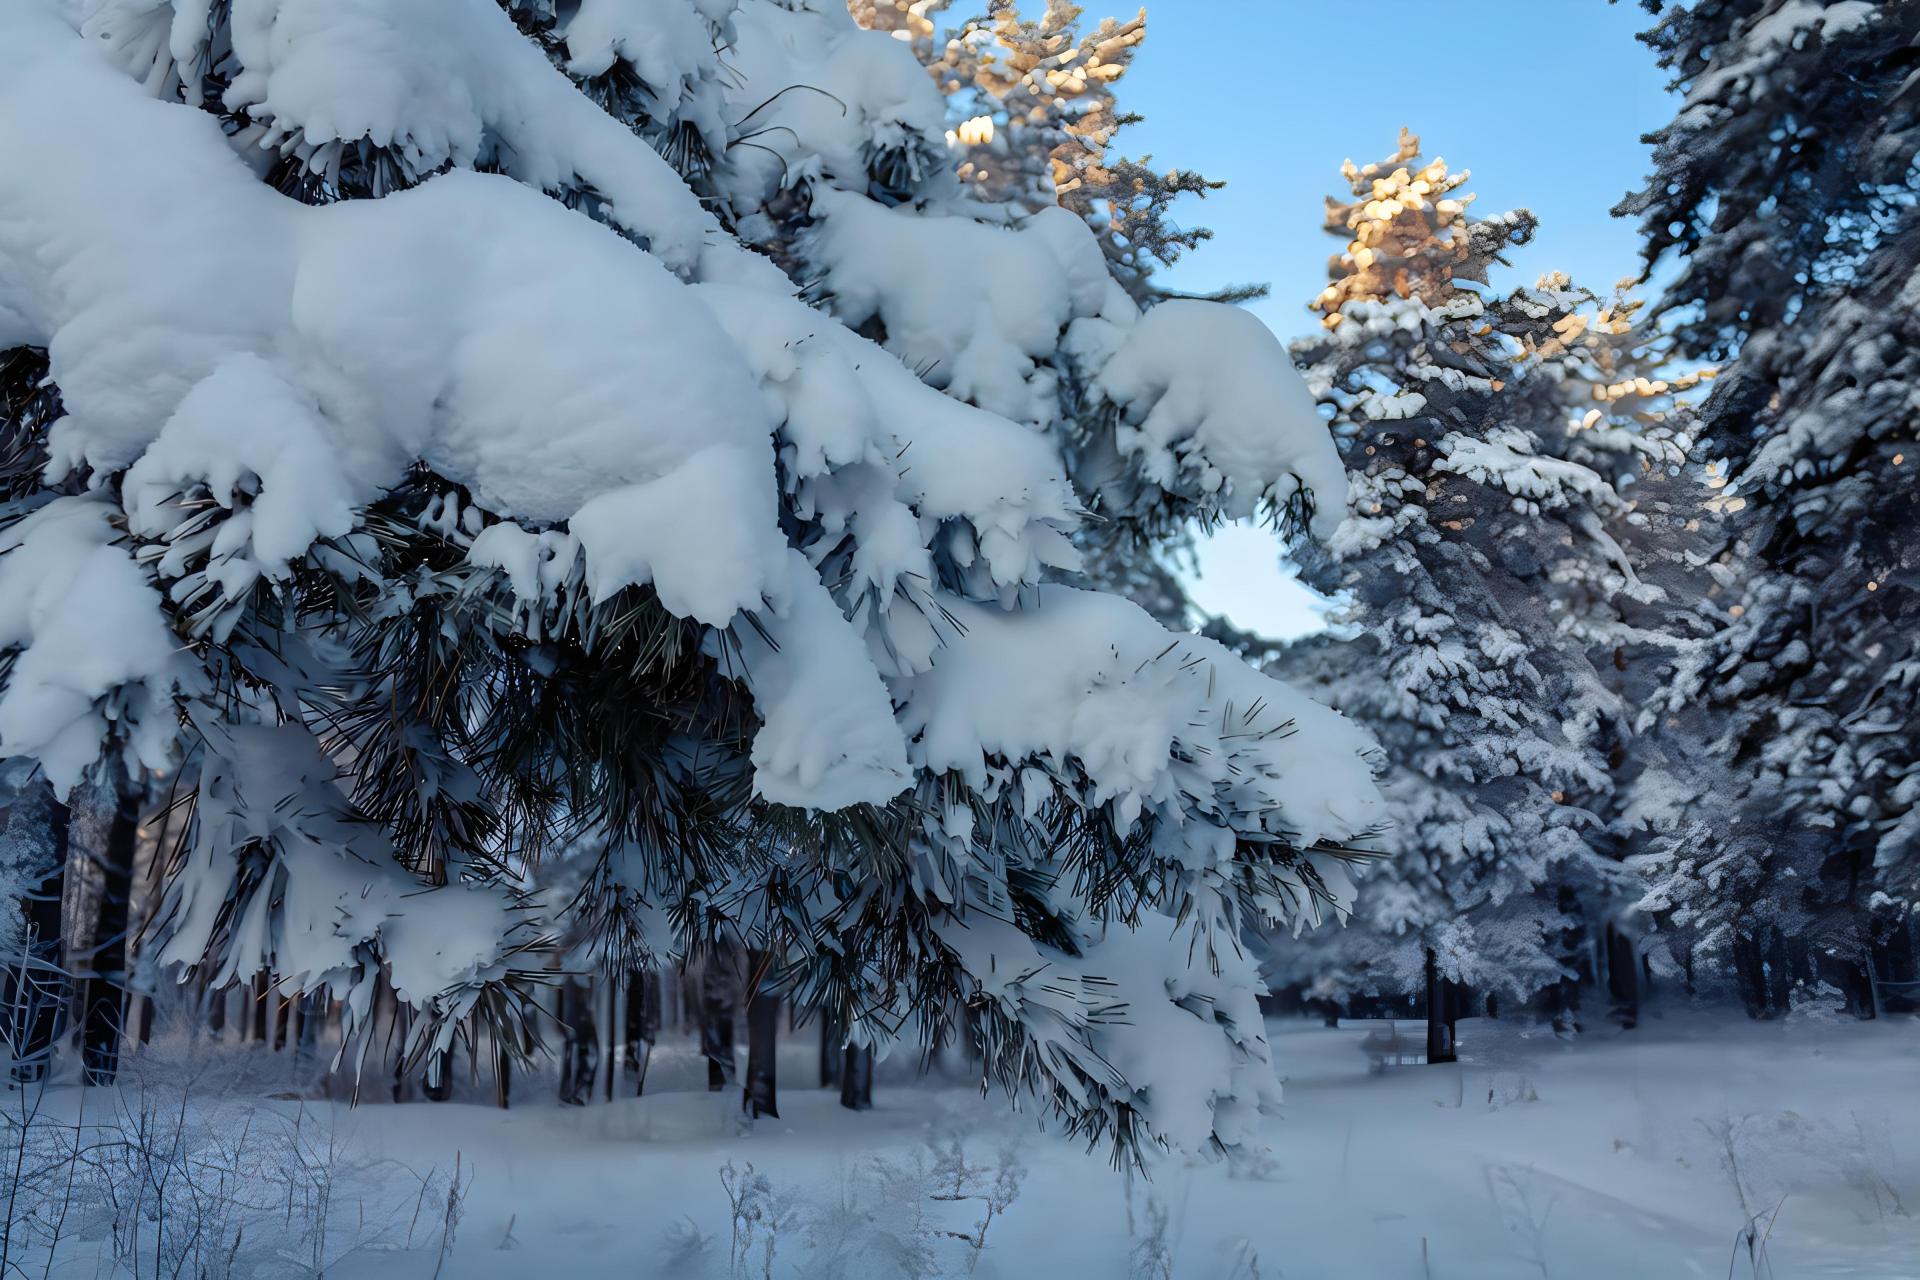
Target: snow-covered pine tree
x=452 y=491
x=1491 y=451
x=1782 y=194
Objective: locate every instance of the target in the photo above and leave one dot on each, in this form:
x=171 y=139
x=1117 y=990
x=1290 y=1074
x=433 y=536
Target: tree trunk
x=763 y=1034
x=833 y=1050
x=313 y=1011
x=1748 y=975
x=1439 y=1014
x=402 y=1025
x=257 y=1009
x=578 y=1060
x=502 y=1076
x=1853 y=975
x=1779 y=974
x=35 y=984
x=105 y=999
x=619 y=992
x=439 y=1082
x=1896 y=964
x=1623 y=978
x=856 y=1079
x=216 y=1007
x=719 y=997
x=643 y=1024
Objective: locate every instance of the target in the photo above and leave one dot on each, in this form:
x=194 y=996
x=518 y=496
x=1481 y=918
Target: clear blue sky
x=1543 y=100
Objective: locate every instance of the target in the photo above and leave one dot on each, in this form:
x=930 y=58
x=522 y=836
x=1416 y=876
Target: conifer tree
x=1493 y=444
x=512 y=523
x=1782 y=198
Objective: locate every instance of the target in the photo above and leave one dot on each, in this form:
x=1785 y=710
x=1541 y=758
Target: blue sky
x=1543 y=100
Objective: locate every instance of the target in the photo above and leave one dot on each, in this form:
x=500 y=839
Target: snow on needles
x=95 y=654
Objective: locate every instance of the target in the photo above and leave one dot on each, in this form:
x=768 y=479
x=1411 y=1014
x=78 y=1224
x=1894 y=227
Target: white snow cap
x=1208 y=389
x=87 y=624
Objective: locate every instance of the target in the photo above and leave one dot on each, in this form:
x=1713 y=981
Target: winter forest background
x=599 y=671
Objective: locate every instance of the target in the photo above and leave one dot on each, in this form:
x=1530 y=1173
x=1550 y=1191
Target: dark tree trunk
x=282 y=1012
x=1780 y=974
x=1896 y=964
x=763 y=1034
x=856 y=1079
x=105 y=999
x=1440 y=1047
x=216 y=1006
x=643 y=1024
x=375 y=1040
x=502 y=1076
x=402 y=1025
x=313 y=1011
x=1850 y=974
x=833 y=1050
x=36 y=989
x=439 y=1077
x=1623 y=978
x=581 y=1054
x=257 y=1009
x=719 y=999
x=1749 y=976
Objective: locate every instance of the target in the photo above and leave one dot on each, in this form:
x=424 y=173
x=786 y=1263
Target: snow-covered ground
x=1641 y=1154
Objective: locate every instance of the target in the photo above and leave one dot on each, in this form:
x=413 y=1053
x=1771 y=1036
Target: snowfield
x=1636 y=1154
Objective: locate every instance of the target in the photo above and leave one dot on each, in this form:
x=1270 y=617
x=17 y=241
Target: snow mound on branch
x=669 y=43
x=246 y=435
x=1506 y=457
x=87 y=625
x=563 y=376
x=829 y=739
x=842 y=400
x=975 y=307
x=514 y=346
x=330 y=904
x=1208 y=402
x=813 y=95
x=436 y=82
x=1155 y=719
x=1207 y=389
x=1141 y=1012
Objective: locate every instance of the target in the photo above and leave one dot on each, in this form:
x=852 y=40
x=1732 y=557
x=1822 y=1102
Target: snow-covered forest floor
x=1637 y=1154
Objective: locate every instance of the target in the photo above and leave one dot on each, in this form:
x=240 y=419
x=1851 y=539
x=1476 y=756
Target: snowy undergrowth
x=202 y=1162
x=1647 y=1153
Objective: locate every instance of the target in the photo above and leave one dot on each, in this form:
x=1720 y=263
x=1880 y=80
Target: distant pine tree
x=1497 y=447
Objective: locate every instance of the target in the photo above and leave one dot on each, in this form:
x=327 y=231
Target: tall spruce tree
x=1782 y=200
x=1498 y=447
